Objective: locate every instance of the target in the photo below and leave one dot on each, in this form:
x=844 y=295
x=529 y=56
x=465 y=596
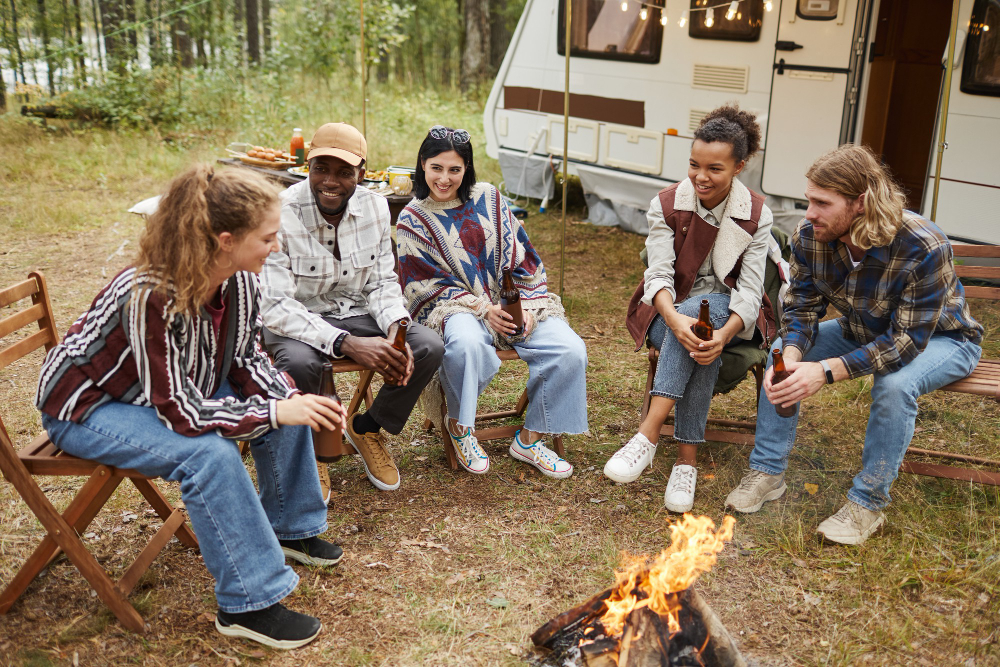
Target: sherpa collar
x=732 y=240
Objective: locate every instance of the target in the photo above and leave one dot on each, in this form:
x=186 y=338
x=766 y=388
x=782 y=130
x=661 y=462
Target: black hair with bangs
x=432 y=147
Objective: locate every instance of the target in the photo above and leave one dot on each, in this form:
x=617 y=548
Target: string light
x=683 y=19
x=624 y=6
x=643 y=13
x=709 y=17
x=731 y=12
x=768 y=5
x=663 y=18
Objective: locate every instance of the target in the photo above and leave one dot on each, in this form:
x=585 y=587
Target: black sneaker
x=312 y=551
x=276 y=626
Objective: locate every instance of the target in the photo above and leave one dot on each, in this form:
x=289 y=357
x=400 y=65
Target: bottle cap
x=297 y=129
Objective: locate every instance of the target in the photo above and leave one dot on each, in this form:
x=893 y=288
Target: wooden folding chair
x=493 y=432
x=41 y=457
x=362 y=392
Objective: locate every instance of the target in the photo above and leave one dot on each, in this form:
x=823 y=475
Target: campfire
x=651 y=616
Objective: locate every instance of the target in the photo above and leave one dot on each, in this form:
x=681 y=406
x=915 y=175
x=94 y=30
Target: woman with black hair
x=708 y=240
x=455 y=238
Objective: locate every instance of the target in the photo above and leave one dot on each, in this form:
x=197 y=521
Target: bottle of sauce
x=298 y=146
x=329 y=444
x=510 y=300
x=780 y=375
x=399 y=342
x=703 y=327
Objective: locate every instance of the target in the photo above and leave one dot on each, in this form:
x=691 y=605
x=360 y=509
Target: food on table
x=380 y=175
x=270 y=154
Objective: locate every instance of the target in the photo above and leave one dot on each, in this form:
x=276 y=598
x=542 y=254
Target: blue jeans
x=557 y=373
x=893 y=412
x=680 y=377
x=237 y=530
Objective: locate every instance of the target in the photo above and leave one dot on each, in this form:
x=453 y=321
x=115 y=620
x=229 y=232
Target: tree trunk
x=419 y=65
x=180 y=37
x=476 y=50
x=43 y=28
x=240 y=31
x=265 y=21
x=153 y=34
x=114 y=45
x=17 y=42
x=253 y=32
x=98 y=31
x=131 y=35
x=3 y=91
x=81 y=51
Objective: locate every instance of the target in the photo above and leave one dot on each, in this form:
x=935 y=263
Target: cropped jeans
x=557 y=373
x=237 y=529
x=893 y=411
x=680 y=377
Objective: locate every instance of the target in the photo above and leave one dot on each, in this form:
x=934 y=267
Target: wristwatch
x=827 y=370
x=337 y=343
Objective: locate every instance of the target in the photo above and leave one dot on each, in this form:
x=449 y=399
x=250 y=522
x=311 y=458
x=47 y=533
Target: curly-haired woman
x=163 y=373
x=708 y=240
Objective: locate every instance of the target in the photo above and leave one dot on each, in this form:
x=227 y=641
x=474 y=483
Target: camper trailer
x=818 y=73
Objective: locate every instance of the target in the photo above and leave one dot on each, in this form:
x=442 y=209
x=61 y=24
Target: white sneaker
x=679 y=496
x=470 y=455
x=537 y=454
x=852 y=524
x=628 y=462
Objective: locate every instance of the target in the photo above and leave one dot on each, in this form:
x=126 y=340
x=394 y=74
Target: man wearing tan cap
x=332 y=291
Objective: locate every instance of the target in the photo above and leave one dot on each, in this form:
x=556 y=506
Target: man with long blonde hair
x=905 y=321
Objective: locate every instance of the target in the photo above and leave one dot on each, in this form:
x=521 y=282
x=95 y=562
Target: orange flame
x=692 y=552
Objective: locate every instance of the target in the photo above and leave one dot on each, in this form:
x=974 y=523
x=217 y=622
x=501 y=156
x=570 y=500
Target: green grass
x=923 y=591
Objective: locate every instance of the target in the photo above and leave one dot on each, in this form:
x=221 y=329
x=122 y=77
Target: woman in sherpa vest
x=708 y=239
x=455 y=238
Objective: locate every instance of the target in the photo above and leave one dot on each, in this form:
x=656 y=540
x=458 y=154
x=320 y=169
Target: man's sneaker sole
x=772 y=495
x=530 y=461
x=854 y=540
x=379 y=484
x=306 y=559
x=235 y=630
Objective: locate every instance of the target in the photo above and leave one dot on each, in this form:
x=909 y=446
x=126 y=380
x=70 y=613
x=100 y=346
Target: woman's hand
x=529 y=323
x=313 y=411
x=501 y=321
x=709 y=350
x=681 y=325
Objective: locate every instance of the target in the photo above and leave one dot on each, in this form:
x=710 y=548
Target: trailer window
x=817 y=10
x=602 y=29
x=981 y=68
x=709 y=20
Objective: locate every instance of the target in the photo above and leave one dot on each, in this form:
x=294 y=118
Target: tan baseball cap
x=339 y=140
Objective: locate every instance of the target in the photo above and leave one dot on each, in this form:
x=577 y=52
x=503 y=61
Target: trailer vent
x=718 y=77
x=694 y=118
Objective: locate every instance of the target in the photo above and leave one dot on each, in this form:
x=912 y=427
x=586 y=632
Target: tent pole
x=364 y=78
x=565 y=180
x=942 y=143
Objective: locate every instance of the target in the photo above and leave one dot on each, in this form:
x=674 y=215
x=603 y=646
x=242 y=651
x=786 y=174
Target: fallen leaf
x=597 y=501
x=499 y=602
x=810 y=488
x=456 y=578
x=800 y=563
x=377 y=563
x=811 y=599
x=824 y=643
x=420 y=458
x=205 y=617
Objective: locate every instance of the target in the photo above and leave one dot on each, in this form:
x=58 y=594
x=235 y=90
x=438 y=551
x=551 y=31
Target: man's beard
x=329 y=211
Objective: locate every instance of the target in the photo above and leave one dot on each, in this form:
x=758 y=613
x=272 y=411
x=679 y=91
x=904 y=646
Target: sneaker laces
x=378 y=449
x=685 y=479
x=540 y=453
x=632 y=450
x=469 y=445
x=847 y=514
x=751 y=480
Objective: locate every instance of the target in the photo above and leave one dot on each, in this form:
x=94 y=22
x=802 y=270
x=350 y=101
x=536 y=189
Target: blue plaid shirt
x=891 y=303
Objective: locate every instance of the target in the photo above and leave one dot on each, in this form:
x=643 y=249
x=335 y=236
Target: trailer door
x=813 y=89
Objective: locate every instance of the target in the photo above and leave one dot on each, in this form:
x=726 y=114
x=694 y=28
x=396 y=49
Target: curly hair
x=852 y=171
x=730 y=125
x=181 y=240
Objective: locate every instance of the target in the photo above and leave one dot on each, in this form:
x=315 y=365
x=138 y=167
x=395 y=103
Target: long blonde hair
x=181 y=241
x=852 y=171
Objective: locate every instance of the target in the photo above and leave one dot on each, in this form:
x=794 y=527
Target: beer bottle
x=703 y=327
x=399 y=342
x=510 y=301
x=329 y=444
x=780 y=375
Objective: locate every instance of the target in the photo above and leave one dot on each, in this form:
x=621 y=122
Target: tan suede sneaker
x=378 y=462
x=852 y=524
x=324 y=480
x=755 y=489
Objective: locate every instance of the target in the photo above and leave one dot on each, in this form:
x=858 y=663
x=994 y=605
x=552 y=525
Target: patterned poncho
x=451 y=256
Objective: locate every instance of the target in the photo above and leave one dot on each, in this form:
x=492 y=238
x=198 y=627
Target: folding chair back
x=41 y=457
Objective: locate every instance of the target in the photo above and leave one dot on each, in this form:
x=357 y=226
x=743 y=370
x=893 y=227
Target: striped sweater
x=127 y=348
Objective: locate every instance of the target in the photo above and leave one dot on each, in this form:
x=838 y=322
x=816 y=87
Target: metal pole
x=942 y=143
x=364 y=77
x=568 y=47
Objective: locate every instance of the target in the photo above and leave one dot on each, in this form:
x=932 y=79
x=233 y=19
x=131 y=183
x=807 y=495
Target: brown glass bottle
x=329 y=444
x=780 y=375
x=703 y=327
x=399 y=342
x=510 y=301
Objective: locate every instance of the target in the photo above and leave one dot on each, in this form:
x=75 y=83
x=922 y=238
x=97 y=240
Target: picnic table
x=396 y=202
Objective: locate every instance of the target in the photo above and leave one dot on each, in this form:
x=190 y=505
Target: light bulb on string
x=709 y=18
x=731 y=12
x=624 y=6
x=683 y=19
x=643 y=13
x=663 y=18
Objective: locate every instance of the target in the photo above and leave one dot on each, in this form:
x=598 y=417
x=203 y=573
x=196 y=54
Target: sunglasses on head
x=442 y=132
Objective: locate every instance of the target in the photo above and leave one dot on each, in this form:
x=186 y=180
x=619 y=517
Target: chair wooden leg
x=165 y=510
x=66 y=538
x=649 y=387
x=449 y=448
x=81 y=511
x=362 y=393
x=558 y=442
x=131 y=577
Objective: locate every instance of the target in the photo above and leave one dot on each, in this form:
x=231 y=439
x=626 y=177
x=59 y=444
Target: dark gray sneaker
x=275 y=626
x=312 y=551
